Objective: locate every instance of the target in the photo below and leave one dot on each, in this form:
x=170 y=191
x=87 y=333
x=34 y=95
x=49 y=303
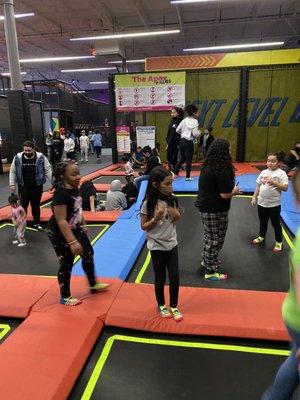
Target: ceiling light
x=190 y=1
x=127 y=61
x=19 y=16
x=237 y=46
x=88 y=69
x=99 y=83
x=129 y=35
x=50 y=59
x=8 y=73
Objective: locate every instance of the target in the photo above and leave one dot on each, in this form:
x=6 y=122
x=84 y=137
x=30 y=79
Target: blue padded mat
x=141 y=195
x=127 y=214
x=181 y=185
x=117 y=250
x=247 y=182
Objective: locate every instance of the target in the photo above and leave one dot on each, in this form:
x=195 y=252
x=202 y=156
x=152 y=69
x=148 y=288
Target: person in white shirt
x=270 y=183
x=84 y=146
x=69 y=147
x=129 y=171
x=115 y=198
x=189 y=132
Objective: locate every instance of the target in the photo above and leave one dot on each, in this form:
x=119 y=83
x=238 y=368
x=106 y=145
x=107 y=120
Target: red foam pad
x=112 y=167
x=112 y=173
x=213 y=312
x=96 y=305
x=46 y=196
x=18 y=293
x=245 y=168
x=43 y=357
x=99 y=216
x=102 y=187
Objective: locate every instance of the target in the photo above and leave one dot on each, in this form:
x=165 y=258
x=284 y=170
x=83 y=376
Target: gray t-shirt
x=115 y=200
x=163 y=236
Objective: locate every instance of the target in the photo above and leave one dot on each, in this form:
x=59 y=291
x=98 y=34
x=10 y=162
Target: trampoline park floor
x=38 y=257
x=249 y=267
x=137 y=365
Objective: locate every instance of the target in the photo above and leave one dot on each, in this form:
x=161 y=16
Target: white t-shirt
x=84 y=142
x=269 y=196
x=163 y=236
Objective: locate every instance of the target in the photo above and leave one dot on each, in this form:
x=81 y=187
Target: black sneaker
x=38 y=227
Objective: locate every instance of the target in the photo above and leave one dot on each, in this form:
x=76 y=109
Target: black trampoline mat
x=109 y=178
x=37 y=257
x=260 y=167
x=249 y=267
x=7 y=326
x=172 y=367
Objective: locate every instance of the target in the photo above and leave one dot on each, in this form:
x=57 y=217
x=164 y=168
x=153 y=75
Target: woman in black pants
x=173 y=138
x=29 y=171
x=189 y=131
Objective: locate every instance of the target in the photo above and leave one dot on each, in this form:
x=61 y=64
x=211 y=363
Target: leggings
x=272 y=213
x=162 y=260
x=19 y=232
x=186 y=152
x=66 y=259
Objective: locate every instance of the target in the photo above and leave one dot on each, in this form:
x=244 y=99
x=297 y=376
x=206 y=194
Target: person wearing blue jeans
x=287 y=378
x=152 y=162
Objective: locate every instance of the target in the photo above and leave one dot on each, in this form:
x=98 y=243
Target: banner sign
x=145 y=136
x=150 y=92
x=223 y=60
x=123 y=139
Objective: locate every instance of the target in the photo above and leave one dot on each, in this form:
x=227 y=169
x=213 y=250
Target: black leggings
x=33 y=196
x=66 y=259
x=186 y=152
x=98 y=150
x=172 y=155
x=162 y=260
x=272 y=213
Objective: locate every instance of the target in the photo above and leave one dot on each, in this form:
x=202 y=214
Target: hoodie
x=189 y=129
x=115 y=199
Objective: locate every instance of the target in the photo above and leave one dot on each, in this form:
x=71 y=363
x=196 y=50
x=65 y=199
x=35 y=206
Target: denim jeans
x=137 y=181
x=287 y=377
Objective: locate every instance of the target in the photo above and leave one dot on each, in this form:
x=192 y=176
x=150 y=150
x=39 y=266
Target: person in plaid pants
x=216 y=189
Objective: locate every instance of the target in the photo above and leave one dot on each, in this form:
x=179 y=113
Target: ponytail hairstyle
x=157 y=175
x=59 y=170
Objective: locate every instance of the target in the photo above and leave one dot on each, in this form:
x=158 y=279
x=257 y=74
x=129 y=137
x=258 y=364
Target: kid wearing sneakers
x=270 y=183
x=18 y=216
x=67 y=232
x=159 y=213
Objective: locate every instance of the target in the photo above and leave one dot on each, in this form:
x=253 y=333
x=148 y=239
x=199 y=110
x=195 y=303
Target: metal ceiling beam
x=181 y=24
x=138 y=5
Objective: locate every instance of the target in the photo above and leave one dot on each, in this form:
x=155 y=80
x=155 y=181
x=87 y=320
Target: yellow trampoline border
x=147 y=261
x=4 y=329
x=195 y=345
x=94 y=240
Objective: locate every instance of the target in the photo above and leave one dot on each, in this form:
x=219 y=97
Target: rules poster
x=123 y=139
x=145 y=136
x=156 y=91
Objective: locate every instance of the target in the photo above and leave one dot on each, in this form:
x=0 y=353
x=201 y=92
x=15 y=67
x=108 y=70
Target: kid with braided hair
x=67 y=232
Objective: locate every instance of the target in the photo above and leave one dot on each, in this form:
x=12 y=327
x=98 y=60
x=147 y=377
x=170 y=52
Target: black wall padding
x=5 y=130
x=37 y=126
x=20 y=120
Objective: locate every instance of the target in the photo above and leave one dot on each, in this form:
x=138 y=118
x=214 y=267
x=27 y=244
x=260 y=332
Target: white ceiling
x=220 y=22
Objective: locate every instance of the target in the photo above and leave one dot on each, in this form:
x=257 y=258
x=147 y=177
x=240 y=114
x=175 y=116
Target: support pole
x=12 y=45
x=243 y=110
x=112 y=118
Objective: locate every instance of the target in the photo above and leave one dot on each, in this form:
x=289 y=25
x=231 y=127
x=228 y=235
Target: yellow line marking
x=4 y=329
x=96 y=238
x=144 y=268
x=194 y=345
x=46 y=204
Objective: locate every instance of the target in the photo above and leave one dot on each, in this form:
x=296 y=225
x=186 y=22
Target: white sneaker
x=15 y=242
x=22 y=244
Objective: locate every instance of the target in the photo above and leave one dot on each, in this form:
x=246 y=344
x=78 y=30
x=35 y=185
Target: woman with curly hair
x=216 y=189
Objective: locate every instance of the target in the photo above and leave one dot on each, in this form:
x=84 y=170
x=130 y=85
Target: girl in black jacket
x=173 y=138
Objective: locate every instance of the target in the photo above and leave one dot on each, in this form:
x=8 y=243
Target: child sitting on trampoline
x=67 y=232
x=270 y=183
x=159 y=212
x=18 y=216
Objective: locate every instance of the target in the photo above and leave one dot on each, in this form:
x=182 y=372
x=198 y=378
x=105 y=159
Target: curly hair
x=153 y=194
x=218 y=157
x=59 y=171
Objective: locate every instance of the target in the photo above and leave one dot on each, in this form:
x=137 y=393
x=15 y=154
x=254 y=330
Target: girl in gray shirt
x=159 y=213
